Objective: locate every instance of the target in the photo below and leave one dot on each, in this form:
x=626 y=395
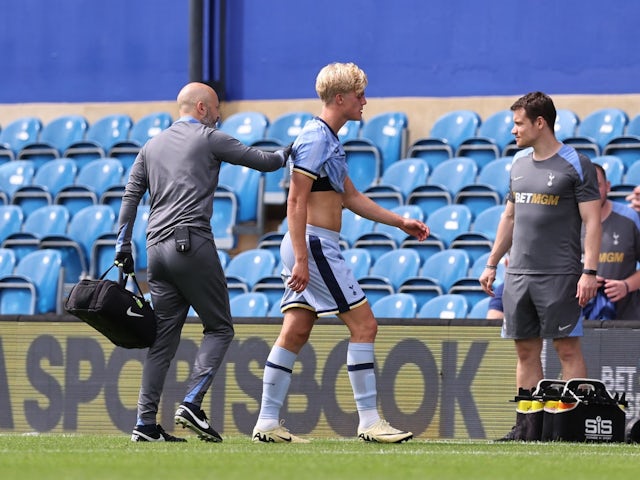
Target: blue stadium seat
x=274 y=311
x=477 y=198
x=613 y=167
x=445 y=136
x=13 y=175
x=632 y=177
x=11 y=218
x=424 y=248
x=422 y=289
x=54 y=139
x=276 y=183
x=359 y=261
x=567 y=122
x=494 y=134
x=76 y=246
x=224 y=258
x=398 y=235
x=448 y=306
x=252 y=304
x=224 y=218
x=248 y=127
x=448 y=222
x=271 y=241
x=597 y=129
x=47 y=220
x=486 y=223
x=394 y=267
x=35 y=285
x=364 y=163
x=475 y=244
x=248 y=186
x=140 y=132
x=350 y=130
x=286 y=128
x=478 y=267
x=18 y=133
x=375 y=288
x=430 y=198
x=103 y=248
x=453 y=174
x=251 y=265
x=271 y=286
x=92 y=181
x=469 y=288
x=398 y=181
x=99 y=138
x=48 y=180
x=8 y=261
x=626 y=146
x=385 y=238
x=398 y=305
x=354 y=226
x=446 y=267
x=480 y=308
x=387 y=133
x=495 y=176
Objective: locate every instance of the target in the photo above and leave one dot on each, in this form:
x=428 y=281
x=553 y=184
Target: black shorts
x=541 y=306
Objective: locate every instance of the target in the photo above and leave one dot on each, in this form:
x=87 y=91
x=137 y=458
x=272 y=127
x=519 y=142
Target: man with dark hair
x=553 y=191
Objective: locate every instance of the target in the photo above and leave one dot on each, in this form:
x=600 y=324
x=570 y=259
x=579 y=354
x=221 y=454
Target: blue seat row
x=397 y=305
x=115 y=135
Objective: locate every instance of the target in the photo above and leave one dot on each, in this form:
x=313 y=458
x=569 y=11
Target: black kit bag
x=121 y=315
x=588 y=412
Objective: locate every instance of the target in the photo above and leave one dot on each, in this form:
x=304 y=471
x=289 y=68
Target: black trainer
x=153 y=433
x=190 y=416
x=517 y=434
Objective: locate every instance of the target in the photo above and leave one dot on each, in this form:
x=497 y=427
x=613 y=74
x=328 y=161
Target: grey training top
x=619 y=252
x=547 y=222
x=179 y=167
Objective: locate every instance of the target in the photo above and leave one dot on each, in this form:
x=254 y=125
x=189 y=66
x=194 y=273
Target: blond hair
x=338 y=78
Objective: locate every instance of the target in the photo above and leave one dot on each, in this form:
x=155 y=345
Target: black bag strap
x=121 y=278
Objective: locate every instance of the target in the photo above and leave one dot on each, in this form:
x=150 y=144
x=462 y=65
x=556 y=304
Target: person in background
x=619 y=254
x=496 y=310
x=179 y=168
x=318 y=281
x=553 y=191
x=634 y=199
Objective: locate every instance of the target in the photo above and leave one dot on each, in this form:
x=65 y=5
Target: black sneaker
x=516 y=434
x=192 y=417
x=152 y=433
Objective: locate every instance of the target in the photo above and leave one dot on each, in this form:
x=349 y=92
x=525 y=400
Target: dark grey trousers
x=178 y=280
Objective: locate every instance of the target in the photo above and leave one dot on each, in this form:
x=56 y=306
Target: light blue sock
x=275 y=385
x=360 y=363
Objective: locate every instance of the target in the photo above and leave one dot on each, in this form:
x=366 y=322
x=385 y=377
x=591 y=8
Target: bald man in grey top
x=179 y=168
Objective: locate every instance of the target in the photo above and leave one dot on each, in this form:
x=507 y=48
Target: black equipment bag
x=122 y=316
x=588 y=412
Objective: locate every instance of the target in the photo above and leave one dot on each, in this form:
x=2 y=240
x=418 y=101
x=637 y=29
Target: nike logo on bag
x=563 y=328
x=517 y=178
x=131 y=313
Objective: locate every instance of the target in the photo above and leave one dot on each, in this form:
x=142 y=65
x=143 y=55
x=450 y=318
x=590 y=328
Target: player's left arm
x=362 y=205
x=588 y=284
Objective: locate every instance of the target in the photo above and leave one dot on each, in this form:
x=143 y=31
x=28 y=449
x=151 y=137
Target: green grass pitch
x=69 y=457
